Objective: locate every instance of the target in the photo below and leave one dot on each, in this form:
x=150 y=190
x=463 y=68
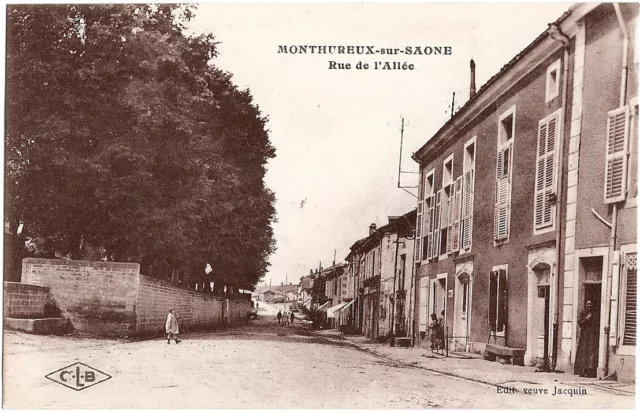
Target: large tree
x=123 y=137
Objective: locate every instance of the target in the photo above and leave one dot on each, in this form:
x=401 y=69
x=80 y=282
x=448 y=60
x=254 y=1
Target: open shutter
x=615 y=286
x=545 y=174
x=428 y=239
x=424 y=295
x=436 y=225
x=450 y=217
x=616 y=159
x=493 y=299
x=631 y=268
x=502 y=300
x=501 y=217
x=456 y=215
x=445 y=208
x=418 y=236
x=467 y=204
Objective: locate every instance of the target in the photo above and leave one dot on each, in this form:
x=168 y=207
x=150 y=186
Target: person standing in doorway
x=292 y=318
x=587 y=352
x=279 y=316
x=171 y=327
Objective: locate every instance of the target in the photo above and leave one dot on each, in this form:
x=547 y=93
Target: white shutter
x=501 y=217
x=424 y=293
x=615 y=285
x=467 y=204
x=456 y=214
x=615 y=178
x=545 y=173
x=429 y=222
x=436 y=225
x=418 y=235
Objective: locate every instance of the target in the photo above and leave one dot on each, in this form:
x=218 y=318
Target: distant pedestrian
x=292 y=317
x=279 y=316
x=171 y=327
x=285 y=318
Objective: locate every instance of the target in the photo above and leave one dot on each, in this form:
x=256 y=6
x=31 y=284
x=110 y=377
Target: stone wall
x=98 y=297
x=113 y=299
x=155 y=298
x=24 y=301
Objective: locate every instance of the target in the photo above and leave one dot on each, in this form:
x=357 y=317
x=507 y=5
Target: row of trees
x=123 y=140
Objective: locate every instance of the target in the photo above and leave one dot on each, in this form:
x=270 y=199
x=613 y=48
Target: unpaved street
x=260 y=365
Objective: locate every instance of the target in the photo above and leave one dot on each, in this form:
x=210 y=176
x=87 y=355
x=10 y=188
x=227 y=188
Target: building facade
x=499 y=233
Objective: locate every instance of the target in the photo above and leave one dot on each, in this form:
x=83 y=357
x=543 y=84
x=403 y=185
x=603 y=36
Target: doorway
x=588 y=344
x=542 y=315
x=462 y=311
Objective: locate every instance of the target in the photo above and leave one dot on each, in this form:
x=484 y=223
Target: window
x=553 y=81
x=427 y=211
x=468 y=180
x=498 y=300
x=615 y=184
x=544 y=200
x=504 y=162
x=446 y=205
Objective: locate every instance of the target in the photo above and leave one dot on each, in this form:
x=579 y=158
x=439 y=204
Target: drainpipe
x=614 y=218
x=556 y=34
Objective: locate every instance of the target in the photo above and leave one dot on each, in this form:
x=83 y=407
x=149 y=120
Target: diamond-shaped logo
x=78 y=376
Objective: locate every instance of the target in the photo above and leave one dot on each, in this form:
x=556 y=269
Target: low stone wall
x=110 y=298
x=24 y=301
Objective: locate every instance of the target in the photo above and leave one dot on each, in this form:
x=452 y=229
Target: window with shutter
x=418 y=237
x=498 y=300
x=544 y=201
x=427 y=212
x=435 y=250
x=457 y=205
x=503 y=198
x=616 y=155
x=467 y=204
x=630 y=315
x=493 y=299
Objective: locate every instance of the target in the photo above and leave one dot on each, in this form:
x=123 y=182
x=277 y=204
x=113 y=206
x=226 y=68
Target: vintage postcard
x=320 y=205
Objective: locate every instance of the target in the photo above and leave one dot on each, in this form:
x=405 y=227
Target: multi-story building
x=379 y=264
x=507 y=209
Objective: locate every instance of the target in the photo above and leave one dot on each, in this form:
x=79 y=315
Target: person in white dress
x=171 y=327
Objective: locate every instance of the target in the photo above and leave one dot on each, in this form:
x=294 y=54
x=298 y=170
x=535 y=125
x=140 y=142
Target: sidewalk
x=474 y=368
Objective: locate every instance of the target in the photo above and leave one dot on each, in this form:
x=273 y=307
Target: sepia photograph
x=320 y=205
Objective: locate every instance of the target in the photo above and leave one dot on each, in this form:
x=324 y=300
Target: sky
x=337 y=132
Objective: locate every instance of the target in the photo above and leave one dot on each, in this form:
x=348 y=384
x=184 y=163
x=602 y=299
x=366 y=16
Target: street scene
x=265 y=361
x=320 y=206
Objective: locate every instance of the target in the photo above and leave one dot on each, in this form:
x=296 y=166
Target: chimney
x=472 y=86
x=372 y=228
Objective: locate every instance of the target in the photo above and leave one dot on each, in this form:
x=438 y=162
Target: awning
x=324 y=306
x=332 y=311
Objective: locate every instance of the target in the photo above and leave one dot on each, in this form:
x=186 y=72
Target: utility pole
x=453 y=100
x=400 y=171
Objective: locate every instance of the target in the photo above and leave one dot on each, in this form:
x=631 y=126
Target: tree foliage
x=123 y=137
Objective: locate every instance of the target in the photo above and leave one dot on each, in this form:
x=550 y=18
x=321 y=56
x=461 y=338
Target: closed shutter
x=436 y=226
x=493 y=299
x=631 y=266
x=616 y=155
x=456 y=215
x=501 y=215
x=467 y=204
x=444 y=215
x=615 y=286
x=545 y=174
x=418 y=236
x=424 y=294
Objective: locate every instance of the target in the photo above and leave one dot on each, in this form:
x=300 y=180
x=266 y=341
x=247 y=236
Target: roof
x=402 y=225
x=503 y=71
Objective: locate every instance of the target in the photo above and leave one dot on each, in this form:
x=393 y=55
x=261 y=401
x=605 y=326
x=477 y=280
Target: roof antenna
x=400 y=171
